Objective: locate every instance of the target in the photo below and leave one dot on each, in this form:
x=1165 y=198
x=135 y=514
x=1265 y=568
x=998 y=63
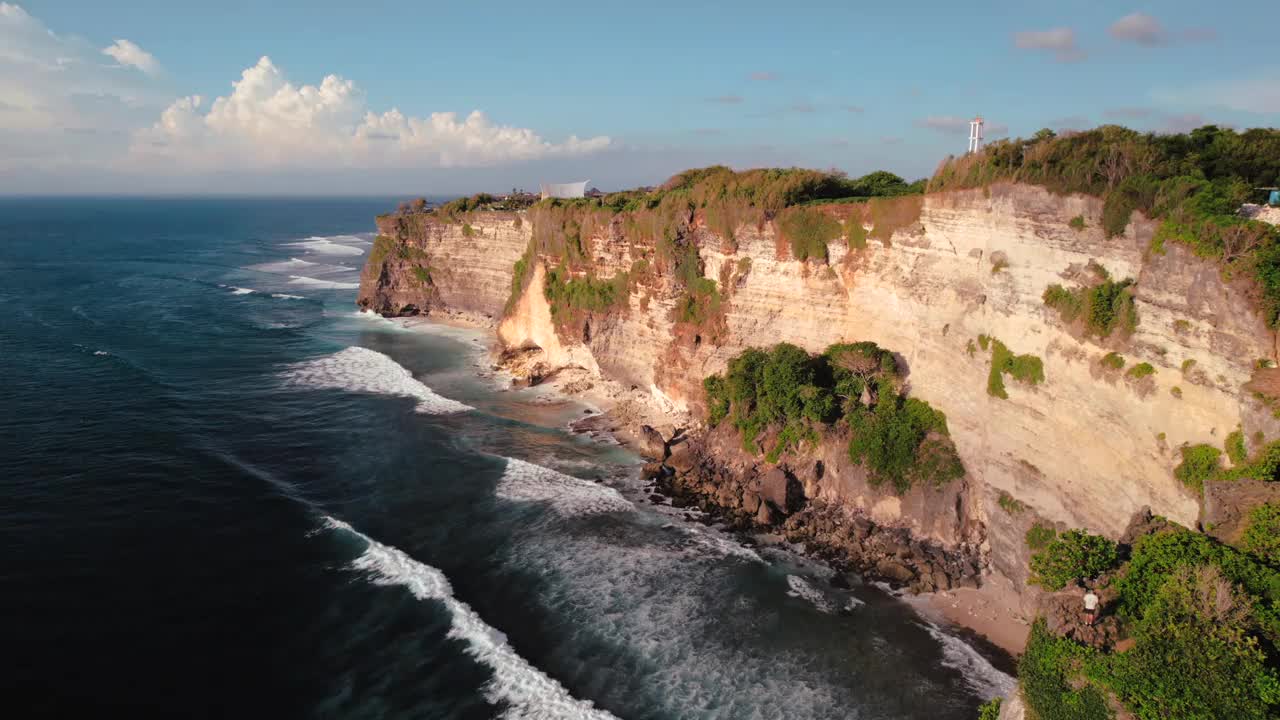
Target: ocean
x=225 y=492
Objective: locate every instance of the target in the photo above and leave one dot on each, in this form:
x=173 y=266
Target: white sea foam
x=978 y=672
x=286 y=296
x=330 y=245
x=323 y=284
x=358 y=369
x=293 y=264
x=800 y=588
x=101 y=352
x=241 y=291
x=569 y=495
x=529 y=693
x=719 y=544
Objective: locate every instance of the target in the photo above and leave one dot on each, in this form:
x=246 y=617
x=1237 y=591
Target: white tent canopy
x=565 y=190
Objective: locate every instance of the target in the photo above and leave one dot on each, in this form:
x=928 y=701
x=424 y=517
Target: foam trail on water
x=358 y=369
x=291 y=265
x=800 y=588
x=325 y=284
x=529 y=693
x=978 y=672
x=524 y=481
x=327 y=246
x=286 y=296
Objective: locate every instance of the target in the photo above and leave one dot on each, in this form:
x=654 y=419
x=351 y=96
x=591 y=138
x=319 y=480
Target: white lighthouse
x=975 y=134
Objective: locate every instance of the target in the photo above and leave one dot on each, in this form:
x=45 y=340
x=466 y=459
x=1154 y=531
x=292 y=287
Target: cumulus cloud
x=128 y=54
x=1139 y=28
x=268 y=122
x=1060 y=41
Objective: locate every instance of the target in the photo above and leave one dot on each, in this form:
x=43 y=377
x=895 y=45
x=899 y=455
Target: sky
x=329 y=98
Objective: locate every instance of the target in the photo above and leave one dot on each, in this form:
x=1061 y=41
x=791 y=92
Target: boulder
x=782 y=491
x=766 y=515
x=652 y=446
x=651 y=471
x=750 y=501
x=890 y=569
x=681 y=458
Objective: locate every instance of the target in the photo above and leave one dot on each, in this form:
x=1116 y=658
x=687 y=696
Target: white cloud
x=1061 y=41
x=128 y=54
x=268 y=122
x=1139 y=28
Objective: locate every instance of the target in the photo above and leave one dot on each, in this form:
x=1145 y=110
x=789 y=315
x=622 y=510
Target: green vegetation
x=1262 y=536
x=1010 y=504
x=1141 y=370
x=1077 y=223
x=855 y=234
x=1188 y=364
x=382 y=247
x=1234 y=445
x=1193 y=183
x=565 y=294
x=990 y=709
x=1051 y=673
x=1113 y=360
x=791 y=396
x=1199 y=464
x=467 y=230
x=1203 y=620
x=1102 y=306
x=422 y=274
x=1073 y=555
x=1027 y=369
x=998 y=263
x=1176 y=392
x=1039 y=536
x=808 y=230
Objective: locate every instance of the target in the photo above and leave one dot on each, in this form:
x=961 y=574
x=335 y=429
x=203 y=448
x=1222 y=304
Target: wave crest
x=530 y=693
x=358 y=369
x=524 y=481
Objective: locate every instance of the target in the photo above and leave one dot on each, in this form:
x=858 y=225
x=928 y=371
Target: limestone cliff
x=1086 y=448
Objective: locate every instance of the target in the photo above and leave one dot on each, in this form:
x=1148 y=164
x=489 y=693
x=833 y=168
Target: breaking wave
x=358 y=369
x=977 y=671
x=800 y=588
x=529 y=693
x=524 y=481
x=336 y=245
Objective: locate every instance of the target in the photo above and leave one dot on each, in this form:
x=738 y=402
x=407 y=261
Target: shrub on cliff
x=1073 y=555
x=1262 y=537
x=1195 y=656
x=1199 y=464
x=1026 y=369
x=1051 y=672
x=902 y=441
x=808 y=230
x=1104 y=306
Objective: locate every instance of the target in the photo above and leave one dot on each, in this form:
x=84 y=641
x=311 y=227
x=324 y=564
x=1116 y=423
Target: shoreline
x=988 y=613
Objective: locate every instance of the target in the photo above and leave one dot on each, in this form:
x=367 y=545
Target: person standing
x=1090 y=607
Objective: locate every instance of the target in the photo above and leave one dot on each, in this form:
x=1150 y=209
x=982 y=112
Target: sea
x=225 y=492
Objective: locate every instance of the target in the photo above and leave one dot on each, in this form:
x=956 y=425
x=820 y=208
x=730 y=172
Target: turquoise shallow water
x=225 y=492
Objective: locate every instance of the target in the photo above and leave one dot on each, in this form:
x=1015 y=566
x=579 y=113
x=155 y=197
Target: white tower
x=975 y=134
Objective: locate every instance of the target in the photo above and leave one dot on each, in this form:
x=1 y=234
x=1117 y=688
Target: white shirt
x=1090 y=601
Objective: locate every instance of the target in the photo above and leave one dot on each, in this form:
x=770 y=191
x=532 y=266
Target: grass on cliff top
x=788 y=396
x=1194 y=183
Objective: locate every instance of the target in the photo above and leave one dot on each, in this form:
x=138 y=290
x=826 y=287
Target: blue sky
x=100 y=96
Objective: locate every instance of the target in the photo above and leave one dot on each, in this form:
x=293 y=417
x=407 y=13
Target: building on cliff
x=564 y=190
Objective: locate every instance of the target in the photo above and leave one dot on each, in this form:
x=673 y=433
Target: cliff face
x=1086 y=448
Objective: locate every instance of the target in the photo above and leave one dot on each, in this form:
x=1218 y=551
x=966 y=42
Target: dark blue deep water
x=225 y=493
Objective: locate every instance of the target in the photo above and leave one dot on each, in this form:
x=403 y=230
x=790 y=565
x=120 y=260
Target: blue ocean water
x=224 y=492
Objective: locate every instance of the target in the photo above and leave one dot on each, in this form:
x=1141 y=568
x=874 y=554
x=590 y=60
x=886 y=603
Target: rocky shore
x=688 y=469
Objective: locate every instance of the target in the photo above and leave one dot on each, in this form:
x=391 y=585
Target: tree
x=1074 y=555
